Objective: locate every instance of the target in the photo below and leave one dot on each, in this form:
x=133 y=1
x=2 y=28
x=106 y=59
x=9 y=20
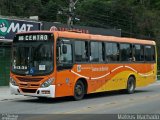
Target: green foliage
x=135 y=18
x=49 y=12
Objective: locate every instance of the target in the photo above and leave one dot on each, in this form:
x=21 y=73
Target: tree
x=50 y=10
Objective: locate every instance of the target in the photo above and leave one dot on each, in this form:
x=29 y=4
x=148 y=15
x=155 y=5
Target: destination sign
x=32 y=37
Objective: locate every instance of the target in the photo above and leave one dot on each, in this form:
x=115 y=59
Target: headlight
x=13 y=82
x=47 y=83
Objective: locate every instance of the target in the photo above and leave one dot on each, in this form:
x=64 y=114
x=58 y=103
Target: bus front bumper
x=40 y=92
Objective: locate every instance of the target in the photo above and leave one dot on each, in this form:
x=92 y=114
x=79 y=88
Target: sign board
x=84 y=29
x=33 y=37
x=8 y=27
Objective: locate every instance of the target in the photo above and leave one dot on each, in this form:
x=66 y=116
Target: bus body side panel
x=66 y=79
x=98 y=76
x=64 y=83
x=115 y=78
x=147 y=77
x=119 y=74
x=107 y=77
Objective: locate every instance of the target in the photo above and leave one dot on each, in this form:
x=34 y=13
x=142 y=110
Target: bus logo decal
x=67 y=80
x=78 y=68
x=31 y=71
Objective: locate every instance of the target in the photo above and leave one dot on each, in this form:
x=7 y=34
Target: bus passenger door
x=64 y=77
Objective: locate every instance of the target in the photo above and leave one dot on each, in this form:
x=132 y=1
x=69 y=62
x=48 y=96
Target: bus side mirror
x=64 y=49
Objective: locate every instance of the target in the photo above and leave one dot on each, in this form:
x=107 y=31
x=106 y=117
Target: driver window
x=66 y=57
x=64 y=54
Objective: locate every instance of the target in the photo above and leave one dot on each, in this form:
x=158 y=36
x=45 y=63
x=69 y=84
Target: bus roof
x=65 y=34
x=104 y=38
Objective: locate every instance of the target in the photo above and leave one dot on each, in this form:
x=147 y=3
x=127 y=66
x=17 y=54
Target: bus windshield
x=32 y=58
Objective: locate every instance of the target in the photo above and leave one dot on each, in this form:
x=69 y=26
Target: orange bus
x=56 y=64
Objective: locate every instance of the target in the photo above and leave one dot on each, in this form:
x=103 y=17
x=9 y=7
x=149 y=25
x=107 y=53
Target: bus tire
x=79 y=90
x=131 y=84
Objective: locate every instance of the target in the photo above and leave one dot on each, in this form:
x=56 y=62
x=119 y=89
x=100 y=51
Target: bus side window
x=149 y=53
x=153 y=53
x=81 y=51
x=142 y=53
x=133 y=53
x=103 y=51
x=96 y=52
x=112 y=52
x=126 y=53
x=138 y=52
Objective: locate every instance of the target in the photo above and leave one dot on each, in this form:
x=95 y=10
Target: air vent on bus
x=29 y=79
x=29 y=90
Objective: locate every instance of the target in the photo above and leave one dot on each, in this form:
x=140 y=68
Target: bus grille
x=29 y=79
x=28 y=85
x=29 y=90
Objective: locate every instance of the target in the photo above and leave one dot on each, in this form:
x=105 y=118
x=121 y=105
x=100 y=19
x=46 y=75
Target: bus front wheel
x=79 y=90
x=131 y=85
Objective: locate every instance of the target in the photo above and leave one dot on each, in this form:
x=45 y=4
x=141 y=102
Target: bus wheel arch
x=80 y=88
x=131 y=84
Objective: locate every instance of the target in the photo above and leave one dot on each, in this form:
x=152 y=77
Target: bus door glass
x=64 y=76
x=64 y=55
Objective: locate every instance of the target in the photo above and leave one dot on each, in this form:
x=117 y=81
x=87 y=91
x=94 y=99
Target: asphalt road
x=144 y=100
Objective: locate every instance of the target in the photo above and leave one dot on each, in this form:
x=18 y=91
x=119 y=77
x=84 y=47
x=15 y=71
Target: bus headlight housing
x=13 y=82
x=47 y=83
